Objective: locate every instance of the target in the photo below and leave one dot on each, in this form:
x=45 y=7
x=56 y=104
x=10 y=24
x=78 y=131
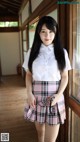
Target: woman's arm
x=30 y=97
x=63 y=84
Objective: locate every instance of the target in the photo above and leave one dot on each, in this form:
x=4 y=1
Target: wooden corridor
x=12 y=102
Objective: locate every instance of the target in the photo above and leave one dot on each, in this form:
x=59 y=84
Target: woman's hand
x=31 y=100
x=63 y=84
x=30 y=97
x=54 y=99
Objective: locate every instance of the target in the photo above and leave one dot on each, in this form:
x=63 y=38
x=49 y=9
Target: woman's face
x=46 y=35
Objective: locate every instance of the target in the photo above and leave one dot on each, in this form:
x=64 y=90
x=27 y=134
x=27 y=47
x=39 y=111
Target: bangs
x=49 y=22
x=50 y=27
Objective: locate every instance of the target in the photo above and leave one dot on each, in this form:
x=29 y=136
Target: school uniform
x=46 y=80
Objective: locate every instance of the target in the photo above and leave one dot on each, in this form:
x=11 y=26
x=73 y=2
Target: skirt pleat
x=44 y=113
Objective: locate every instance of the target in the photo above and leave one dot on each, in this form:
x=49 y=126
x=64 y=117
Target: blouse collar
x=45 y=48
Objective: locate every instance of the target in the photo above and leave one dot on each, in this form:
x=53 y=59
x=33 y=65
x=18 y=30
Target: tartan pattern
x=44 y=88
x=41 y=114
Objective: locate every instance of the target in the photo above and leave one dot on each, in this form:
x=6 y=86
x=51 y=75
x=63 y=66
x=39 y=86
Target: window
x=76 y=53
x=74 y=127
x=8 y=24
x=74 y=99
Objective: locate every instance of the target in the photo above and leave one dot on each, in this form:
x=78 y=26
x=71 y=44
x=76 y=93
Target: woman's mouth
x=46 y=39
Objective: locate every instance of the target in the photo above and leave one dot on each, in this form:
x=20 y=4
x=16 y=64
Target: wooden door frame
x=0 y=69
x=72 y=103
x=64 y=27
x=63 y=20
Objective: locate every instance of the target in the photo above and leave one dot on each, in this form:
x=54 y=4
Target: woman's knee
x=40 y=129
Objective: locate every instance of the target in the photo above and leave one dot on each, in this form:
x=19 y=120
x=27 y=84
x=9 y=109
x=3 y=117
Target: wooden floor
x=12 y=102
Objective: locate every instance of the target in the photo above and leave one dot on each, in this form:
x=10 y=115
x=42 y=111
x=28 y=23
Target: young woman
x=46 y=66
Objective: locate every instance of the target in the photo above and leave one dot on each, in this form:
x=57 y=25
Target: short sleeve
x=68 y=65
x=25 y=64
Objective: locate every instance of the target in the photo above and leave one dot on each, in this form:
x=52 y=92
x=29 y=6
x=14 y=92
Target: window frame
x=73 y=103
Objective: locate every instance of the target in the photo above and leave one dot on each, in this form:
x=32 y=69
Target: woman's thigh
x=51 y=132
x=40 y=128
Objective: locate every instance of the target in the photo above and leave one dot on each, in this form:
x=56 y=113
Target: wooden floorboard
x=12 y=103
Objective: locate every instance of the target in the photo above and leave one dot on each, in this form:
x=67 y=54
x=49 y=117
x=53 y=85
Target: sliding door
x=74 y=82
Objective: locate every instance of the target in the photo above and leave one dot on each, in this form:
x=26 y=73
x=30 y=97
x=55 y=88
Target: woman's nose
x=47 y=34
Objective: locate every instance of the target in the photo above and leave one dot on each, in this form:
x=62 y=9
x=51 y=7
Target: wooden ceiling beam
x=10 y=2
x=2 y=6
x=18 y=1
x=9 y=5
x=11 y=11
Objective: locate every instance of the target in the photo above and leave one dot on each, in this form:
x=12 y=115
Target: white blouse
x=44 y=67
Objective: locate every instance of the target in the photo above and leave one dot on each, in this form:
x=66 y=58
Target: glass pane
x=69 y=126
x=76 y=52
x=75 y=128
x=11 y=24
x=8 y=24
x=1 y=24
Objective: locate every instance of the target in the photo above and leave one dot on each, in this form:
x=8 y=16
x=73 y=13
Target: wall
x=25 y=12
x=31 y=37
x=9 y=52
x=35 y=4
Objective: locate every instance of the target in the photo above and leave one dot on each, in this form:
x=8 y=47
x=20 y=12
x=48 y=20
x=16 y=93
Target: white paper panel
x=24 y=35
x=9 y=51
x=35 y=4
x=25 y=12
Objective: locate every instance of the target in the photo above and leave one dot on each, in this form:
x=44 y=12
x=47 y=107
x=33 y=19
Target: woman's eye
x=43 y=31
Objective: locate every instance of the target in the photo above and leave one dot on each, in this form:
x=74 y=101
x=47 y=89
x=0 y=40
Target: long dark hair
x=51 y=24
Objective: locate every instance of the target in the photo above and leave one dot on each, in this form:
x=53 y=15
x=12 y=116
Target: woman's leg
x=51 y=132
x=41 y=131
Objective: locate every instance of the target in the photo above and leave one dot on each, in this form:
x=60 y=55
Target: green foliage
x=8 y=24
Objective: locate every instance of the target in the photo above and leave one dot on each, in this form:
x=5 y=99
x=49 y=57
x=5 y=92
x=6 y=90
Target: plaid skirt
x=43 y=112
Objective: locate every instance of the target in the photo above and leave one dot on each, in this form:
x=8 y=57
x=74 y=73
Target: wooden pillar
x=63 y=28
x=0 y=70
x=62 y=22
